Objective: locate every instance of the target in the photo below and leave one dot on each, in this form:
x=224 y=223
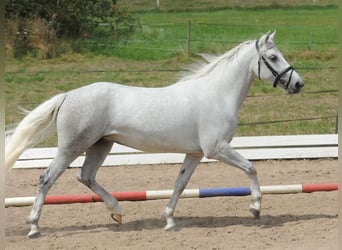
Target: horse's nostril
x=299 y=85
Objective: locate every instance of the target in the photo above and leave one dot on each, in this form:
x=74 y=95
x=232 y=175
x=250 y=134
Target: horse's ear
x=264 y=39
x=272 y=36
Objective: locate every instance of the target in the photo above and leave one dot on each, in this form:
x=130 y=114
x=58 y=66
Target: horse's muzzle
x=296 y=87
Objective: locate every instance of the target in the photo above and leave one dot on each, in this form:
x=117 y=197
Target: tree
x=69 y=18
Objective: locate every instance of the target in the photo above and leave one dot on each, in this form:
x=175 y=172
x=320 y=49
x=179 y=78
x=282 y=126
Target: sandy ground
x=292 y=221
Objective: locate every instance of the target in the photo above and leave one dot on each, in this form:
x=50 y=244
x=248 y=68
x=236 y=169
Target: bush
x=30 y=35
x=35 y=25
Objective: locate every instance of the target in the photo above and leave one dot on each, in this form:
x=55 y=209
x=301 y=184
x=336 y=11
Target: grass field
x=156 y=53
x=163 y=35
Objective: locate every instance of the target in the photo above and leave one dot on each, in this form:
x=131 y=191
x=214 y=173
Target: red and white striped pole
x=165 y=194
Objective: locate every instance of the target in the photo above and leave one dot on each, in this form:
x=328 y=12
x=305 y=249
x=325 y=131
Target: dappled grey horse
x=196 y=116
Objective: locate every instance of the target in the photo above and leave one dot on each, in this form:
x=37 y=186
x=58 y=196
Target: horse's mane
x=209 y=62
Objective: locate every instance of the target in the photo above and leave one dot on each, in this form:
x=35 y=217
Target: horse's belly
x=153 y=142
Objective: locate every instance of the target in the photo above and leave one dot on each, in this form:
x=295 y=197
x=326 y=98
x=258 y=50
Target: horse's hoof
x=34 y=234
x=170 y=227
x=117 y=218
x=255 y=212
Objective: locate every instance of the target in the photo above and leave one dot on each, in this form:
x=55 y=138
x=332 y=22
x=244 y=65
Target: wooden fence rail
x=251 y=147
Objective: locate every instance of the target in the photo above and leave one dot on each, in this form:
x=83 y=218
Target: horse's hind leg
x=95 y=156
x=47 y=179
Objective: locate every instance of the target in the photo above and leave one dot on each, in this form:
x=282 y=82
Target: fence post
x=188 y=34
x=336 y=126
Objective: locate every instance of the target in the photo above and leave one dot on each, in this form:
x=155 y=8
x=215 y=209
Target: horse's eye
x=273 y=58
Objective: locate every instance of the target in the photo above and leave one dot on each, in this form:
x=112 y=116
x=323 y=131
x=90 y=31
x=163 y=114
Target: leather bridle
x=278 y=76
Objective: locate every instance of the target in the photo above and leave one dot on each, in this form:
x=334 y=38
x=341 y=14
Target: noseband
x=277 y=75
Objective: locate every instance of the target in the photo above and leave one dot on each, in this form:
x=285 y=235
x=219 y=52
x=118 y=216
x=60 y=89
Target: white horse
x=196 y=116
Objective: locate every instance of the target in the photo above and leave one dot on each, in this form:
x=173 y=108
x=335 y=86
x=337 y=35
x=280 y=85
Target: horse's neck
x=234 y=81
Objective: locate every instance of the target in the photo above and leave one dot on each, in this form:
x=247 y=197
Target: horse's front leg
x=225 y=153
x=188 y=167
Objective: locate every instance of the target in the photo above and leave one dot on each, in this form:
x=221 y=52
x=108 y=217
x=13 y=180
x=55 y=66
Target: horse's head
x=271 y=66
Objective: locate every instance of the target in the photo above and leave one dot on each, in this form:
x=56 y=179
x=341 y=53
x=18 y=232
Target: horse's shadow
x=265 y=221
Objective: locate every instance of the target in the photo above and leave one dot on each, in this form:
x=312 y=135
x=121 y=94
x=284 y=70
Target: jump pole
x=165 y=194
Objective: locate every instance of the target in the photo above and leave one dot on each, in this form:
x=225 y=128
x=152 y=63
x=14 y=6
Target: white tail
x=33 y=128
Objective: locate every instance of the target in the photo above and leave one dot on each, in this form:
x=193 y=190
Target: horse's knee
x=251 y=170
x=80 y=179
x=85 y=181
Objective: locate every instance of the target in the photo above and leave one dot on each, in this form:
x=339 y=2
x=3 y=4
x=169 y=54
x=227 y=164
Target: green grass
x=306 y=36
x=163 y=35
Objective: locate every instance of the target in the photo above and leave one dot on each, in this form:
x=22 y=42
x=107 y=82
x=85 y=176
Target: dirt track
x=293 y=221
